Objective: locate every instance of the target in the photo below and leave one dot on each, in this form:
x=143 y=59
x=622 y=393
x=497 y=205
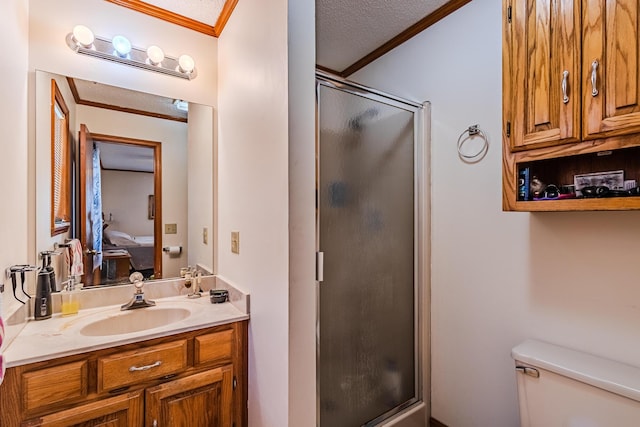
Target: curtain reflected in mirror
x=60 y=163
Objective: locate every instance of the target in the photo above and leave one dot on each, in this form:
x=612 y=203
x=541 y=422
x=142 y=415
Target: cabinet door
x=611 y=68
x=200 y=400
x=542 y=87
x=121 y=411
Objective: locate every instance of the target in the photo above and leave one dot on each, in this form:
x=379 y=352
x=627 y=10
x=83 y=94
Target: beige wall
x=499 y=278
x=200 y=181
x=253 y=191
x=14 y=155
x=125 y=197
x=302 y=214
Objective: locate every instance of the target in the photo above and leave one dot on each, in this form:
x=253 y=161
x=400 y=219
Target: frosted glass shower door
x=367 y=367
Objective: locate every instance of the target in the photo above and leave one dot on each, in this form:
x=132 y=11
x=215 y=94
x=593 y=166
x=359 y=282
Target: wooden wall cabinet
x=571 y=96
x=194 y=379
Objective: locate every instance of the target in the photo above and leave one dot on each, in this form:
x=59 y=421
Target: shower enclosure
x=370 y=219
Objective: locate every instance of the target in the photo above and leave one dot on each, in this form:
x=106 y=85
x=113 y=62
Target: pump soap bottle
x=42 y=309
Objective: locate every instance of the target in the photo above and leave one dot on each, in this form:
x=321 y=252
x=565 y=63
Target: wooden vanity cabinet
x=197 y=378
x=571 y=92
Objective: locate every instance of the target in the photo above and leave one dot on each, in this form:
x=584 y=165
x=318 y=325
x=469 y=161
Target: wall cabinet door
x=121 y=411
x=542 y=73
x=200 y=400
x=611 y=67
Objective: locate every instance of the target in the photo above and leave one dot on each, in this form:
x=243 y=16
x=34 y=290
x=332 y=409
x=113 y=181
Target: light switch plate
x=171 y=229
x=235 y=242
x=205 y=235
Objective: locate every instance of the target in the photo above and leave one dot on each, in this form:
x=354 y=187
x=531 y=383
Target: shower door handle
x=319 y=266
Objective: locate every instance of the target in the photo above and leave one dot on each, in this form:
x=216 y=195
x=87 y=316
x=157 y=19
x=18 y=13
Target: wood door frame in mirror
x=65 y=181
x=157 y=190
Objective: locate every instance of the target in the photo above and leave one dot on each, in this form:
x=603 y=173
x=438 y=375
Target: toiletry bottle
x=52 y=273
x=70 y=303
x=42 y=307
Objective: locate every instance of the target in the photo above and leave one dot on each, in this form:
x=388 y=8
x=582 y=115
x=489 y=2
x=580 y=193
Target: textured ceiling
x=124 y=98
x=348 y=30
x=206 y=11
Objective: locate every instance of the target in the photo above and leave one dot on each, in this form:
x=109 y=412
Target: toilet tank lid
x=603 y=373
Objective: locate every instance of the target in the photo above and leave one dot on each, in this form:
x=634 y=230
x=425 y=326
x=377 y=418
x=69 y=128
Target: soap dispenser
x=42 y=308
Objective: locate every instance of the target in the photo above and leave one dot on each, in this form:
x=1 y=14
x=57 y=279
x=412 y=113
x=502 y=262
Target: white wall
x=253 y=191
x=499 y=278
x=14 y=155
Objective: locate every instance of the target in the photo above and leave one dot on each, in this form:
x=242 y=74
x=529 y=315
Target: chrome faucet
x=138 y=300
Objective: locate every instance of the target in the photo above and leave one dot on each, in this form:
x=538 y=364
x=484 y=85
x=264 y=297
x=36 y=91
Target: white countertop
x=60 y=336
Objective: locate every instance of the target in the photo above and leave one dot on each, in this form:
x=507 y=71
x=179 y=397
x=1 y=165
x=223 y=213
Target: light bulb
x=155 y=55
x=83 y=36
x=186 y=64
x=122 y=46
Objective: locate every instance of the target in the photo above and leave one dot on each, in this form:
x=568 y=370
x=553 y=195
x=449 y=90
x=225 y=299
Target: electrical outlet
x=171 y=229
x=205 y=235
x=235 y=242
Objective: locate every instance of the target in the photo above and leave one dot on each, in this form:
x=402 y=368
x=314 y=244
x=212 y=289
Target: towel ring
x=472 y=131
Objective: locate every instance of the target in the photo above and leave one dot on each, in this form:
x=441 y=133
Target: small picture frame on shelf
x=613 y=180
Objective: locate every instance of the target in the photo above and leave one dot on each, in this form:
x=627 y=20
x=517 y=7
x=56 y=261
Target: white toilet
x=559 y=387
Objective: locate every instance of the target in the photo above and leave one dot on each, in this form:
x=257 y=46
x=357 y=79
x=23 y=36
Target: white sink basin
x=140 y=319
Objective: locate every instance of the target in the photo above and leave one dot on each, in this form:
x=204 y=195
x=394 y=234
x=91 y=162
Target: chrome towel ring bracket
x=470 y=133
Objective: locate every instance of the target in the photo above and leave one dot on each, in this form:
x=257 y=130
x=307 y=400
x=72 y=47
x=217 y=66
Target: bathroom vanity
x=88 y=370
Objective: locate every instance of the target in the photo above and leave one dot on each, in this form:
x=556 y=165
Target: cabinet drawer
x=60 y=384
x=136 y=366
x=216 y=347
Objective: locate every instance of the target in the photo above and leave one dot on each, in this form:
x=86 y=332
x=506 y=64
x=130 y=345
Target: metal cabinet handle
x=145 y=368
x=565 y=76
x=155 y=423
x=594 y=78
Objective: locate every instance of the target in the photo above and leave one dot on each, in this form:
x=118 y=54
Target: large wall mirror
x=134 y=162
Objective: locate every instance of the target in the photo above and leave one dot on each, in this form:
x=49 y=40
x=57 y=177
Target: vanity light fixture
x=155 y=55
x=122 y=46
x=82 y=36
x=82 y=40
x=181 y=105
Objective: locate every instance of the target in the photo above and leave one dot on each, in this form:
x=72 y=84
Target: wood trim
x=225 y=14
x=80 y=101
x=157 y=191
x=174 y=18
x=407 y=34
x=435 y=423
